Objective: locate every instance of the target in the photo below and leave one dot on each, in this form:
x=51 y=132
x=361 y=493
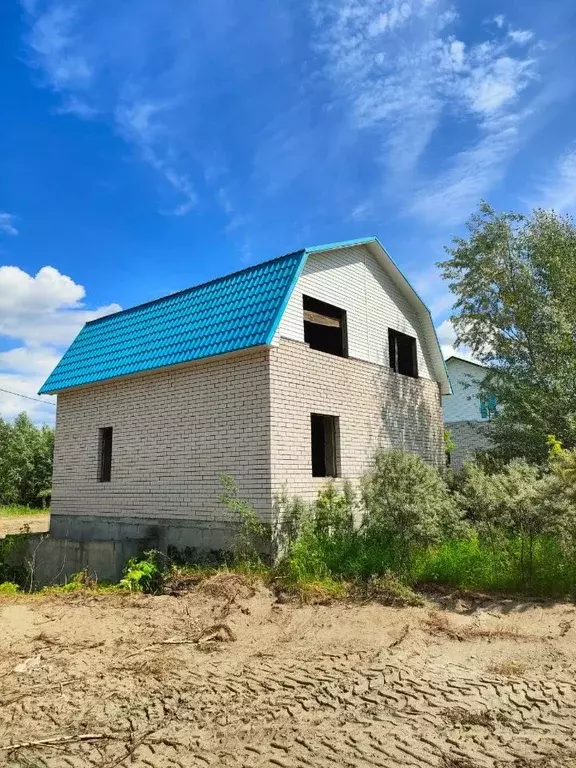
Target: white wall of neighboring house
x=464 y=403
x=351 y=279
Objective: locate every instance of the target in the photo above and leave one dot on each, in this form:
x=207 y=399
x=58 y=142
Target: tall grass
x=511 y=530
x=474 y=564
x=16 y=510
x=466 y=563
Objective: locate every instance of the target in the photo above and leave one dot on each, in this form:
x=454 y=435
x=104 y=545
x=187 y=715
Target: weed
x=508 y=668
x=9 y=588
x=439 y=624
x=251 y=538
x=485 y=718
x=313 y=591
x=144 y=574
x=389 y=590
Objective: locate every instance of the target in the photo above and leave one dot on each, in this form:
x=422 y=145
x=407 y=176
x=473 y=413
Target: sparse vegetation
x=17 y=510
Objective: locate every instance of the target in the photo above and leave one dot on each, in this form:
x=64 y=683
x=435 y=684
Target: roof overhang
x=381 y=255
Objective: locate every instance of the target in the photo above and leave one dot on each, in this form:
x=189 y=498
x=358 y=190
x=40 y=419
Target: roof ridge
x=194 y=287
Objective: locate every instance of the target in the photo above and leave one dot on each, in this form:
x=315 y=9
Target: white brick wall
x=351 y=279
x=248 y=415
x=174 y=433
x=375 y=406
x=469 y=437
x=464 y=403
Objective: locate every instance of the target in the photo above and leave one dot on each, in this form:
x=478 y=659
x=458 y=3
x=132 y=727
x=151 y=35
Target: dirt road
x=28 y=523
x=224 y=677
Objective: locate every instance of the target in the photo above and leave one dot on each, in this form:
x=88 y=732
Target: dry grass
x=485 y=718
x=439 y=624
x=509 y=668
x=229 y=586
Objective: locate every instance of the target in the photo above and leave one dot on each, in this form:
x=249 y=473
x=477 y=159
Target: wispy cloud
x=558 y=191
x=405 y=73
x=7 y=224
x=78 y=57
x=447 y=338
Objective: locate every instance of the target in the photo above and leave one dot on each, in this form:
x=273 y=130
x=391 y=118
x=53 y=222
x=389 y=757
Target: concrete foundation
x=51 y=561
x=102 y=545
x=152 y=533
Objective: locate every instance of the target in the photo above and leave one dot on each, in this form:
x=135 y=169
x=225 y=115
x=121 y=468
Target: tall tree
x=514 y=277
x=25 y=461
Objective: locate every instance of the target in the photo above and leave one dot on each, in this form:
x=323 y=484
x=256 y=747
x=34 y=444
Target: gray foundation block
x=52 y=561
x=154 y=533
x=102 y=545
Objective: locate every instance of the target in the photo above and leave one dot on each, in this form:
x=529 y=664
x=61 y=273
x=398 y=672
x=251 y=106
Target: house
x=466 y=413
x=283 y=375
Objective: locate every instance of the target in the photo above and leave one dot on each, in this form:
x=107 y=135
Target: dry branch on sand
x=54 y=741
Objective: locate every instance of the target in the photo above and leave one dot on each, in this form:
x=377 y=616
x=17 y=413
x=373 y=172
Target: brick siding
x=174 y=432
x=375 y=406
x=469 y=437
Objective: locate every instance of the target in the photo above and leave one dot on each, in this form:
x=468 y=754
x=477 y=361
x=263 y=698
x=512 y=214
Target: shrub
x=9 y=588
x=328 y=542
x=144 y=574
x=408 y=506
x=251 y=537
x=511 y=510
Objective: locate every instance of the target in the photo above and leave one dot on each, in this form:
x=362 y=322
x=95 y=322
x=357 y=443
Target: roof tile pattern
x=231 y=313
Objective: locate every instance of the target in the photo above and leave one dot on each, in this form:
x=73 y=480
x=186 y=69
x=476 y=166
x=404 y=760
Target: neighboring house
x=282 y=375
x=465 y=412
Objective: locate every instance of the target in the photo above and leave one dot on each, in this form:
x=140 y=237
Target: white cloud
x=558 y=191
x=397 y=15
x=54 y=40
x=447 y=338
x=7 y=224
x=429 y=284
x=521 y=36
x=403 y=71
x=77 y=59
x=43 y=312
x=141 y=121
x=499 y=20
x=22 y=293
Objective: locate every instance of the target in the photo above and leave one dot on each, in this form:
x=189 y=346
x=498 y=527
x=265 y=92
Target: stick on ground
x=54 y=741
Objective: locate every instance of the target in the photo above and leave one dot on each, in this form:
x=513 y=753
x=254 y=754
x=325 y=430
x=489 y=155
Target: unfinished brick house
x=282 y=375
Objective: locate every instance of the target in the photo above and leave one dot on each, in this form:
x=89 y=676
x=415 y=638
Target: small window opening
x=104 y=454
x=488 y=408
x=325 y=445
x=325 y=327
x=402 y=349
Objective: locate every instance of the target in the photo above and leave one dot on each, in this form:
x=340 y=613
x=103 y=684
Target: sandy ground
x=24 y=523
x=224 y=676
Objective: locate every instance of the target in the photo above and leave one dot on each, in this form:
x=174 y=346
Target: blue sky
x=147 y=146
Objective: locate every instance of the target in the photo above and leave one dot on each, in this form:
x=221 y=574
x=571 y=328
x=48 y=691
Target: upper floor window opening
x=403 y=353
x=325 y=327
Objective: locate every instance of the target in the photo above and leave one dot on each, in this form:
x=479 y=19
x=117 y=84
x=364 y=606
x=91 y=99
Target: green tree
x=514 y=277
x=26 y=453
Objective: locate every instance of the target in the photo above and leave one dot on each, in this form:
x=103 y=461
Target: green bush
x=509 y=528
x=408 y=506
x=144 y=574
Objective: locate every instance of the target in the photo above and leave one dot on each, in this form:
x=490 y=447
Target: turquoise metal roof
x=231 y=313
